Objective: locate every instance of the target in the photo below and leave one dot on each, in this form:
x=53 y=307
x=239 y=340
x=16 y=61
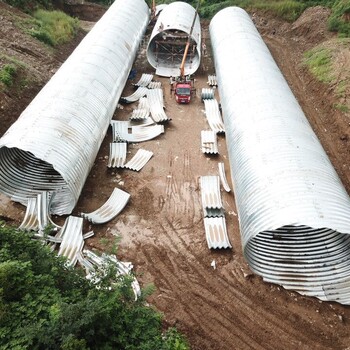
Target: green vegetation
x=341 y=107
x=319 y=62
x=45 y=305
x=53 y=27
x=30 y=5
x=10 y=71
x=7 y=74
x=339 y=21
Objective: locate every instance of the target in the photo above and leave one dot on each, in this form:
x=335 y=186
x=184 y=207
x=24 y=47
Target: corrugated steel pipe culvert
x=169 y=37
x=294 y=212
x=53 y=144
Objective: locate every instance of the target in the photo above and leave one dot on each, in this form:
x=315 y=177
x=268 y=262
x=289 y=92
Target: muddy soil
x=161 y=230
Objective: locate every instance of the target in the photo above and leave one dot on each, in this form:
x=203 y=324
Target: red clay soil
x=162 y=233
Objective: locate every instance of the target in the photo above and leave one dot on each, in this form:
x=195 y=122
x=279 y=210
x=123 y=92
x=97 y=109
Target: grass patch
x=339 y=21
x=341 y=107
x=288 y=10
x=7 y=74
x=319 y=62
x=53 y=27
x=13 y=72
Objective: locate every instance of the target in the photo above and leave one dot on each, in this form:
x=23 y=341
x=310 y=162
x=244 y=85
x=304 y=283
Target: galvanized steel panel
x=109 y=210
x=140 y=92
x=142 y=111
x=156 y=103
x=119 y=130
x=223 y=178
x=212 y=80
x=207 y=94
x=177 y=16
x=155 y=85
x=210 y=191
x=216 y=233
x=209 y=142
x=145 y=80
x=139 y=160
x=117 y=154
x=293 y=209
x=54 y=143
x=213 y=115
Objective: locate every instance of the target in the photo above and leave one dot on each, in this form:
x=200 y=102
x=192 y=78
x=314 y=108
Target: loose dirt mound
x=312 y=25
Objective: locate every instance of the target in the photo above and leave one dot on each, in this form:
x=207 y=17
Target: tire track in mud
x=227 y=310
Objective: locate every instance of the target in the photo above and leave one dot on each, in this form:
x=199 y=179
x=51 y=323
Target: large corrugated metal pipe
x=294 y=212
x=168 y=39
x=53 y=144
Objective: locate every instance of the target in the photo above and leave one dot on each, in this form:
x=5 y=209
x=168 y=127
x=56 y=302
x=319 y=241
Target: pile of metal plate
x=117 y=154
x=145 y=80
x=142 y=111
x=214 y=217
x=212 y=80
x=110 y=209
x=155 y=85
x=156 y=103
x=207 y=94
x=140 y=92
x=213 y=115
x=209 y=142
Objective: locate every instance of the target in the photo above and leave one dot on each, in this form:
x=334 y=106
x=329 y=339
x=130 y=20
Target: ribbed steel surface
x=145 y=80
x=212 y=80
x=177 y=16
x=139 y=160
x=156 y=104
x=155 y=85
x=209 y=142
x=207 y=94
x=213 y=115
x=119 y=130
x=223 y=178
x=72 y=239
x=293 y=210
x=110 y=209
x=117 y=154
x=141 y=91
x=216 y=233
x=210 y=190
x=53 y=144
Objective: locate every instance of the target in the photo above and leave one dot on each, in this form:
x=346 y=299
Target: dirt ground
x=161 y=230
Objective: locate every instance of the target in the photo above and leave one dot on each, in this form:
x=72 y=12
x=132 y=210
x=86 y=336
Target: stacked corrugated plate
x=209 y=142
x=214 y=217
x=294 y=212
x=213 y=115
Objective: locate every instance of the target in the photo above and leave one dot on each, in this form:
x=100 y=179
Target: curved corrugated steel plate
x=54 y=143
x=139 y=160
x=293 y=208
x=213 y=115
x=175 y=19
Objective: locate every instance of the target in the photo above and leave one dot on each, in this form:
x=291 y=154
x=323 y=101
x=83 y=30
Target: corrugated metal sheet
x=142 y=111
x=176 y=17
x=30 y=220
x=293 y=210
x=139 y=160
x=223 y=178
x=141 y=122
x=145 y=80
x=213 y=115
x=117 y=154
x=72 y=239
x=119 y=130
x=109 y=210
x=212 y=80
x=210 y=190
x=156 y=103
x=216 y=233
x=207 y=94
x=155 y=85
x=140 y=92
x=209 y=142
x=144 y=133
x=53 y=144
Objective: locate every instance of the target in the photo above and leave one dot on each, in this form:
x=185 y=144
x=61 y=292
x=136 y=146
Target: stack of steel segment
x=173 y=25
x=155 y=85
x=109 y=210
x=156 y=103
x=209 y=142
x=145 y=80
x=117 y=154
x=216 y=233
x=139 y=160
x=144 y=133
x=92 y=262
x=119 y=130
x=212 y=80
x=207 y=94
x=213 y=115
x=293 y=209
x=61 y=131
x=142 y=111
x=223 y=178
x=214 y=217
x=140 y=92
x=72 y=239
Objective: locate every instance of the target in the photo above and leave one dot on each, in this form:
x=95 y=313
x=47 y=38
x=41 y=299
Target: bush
x=339 y=21
x=7 y=74
x=54 y=27
x=45 y=305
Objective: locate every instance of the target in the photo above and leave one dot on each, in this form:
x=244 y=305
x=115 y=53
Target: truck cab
x=183 y=92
